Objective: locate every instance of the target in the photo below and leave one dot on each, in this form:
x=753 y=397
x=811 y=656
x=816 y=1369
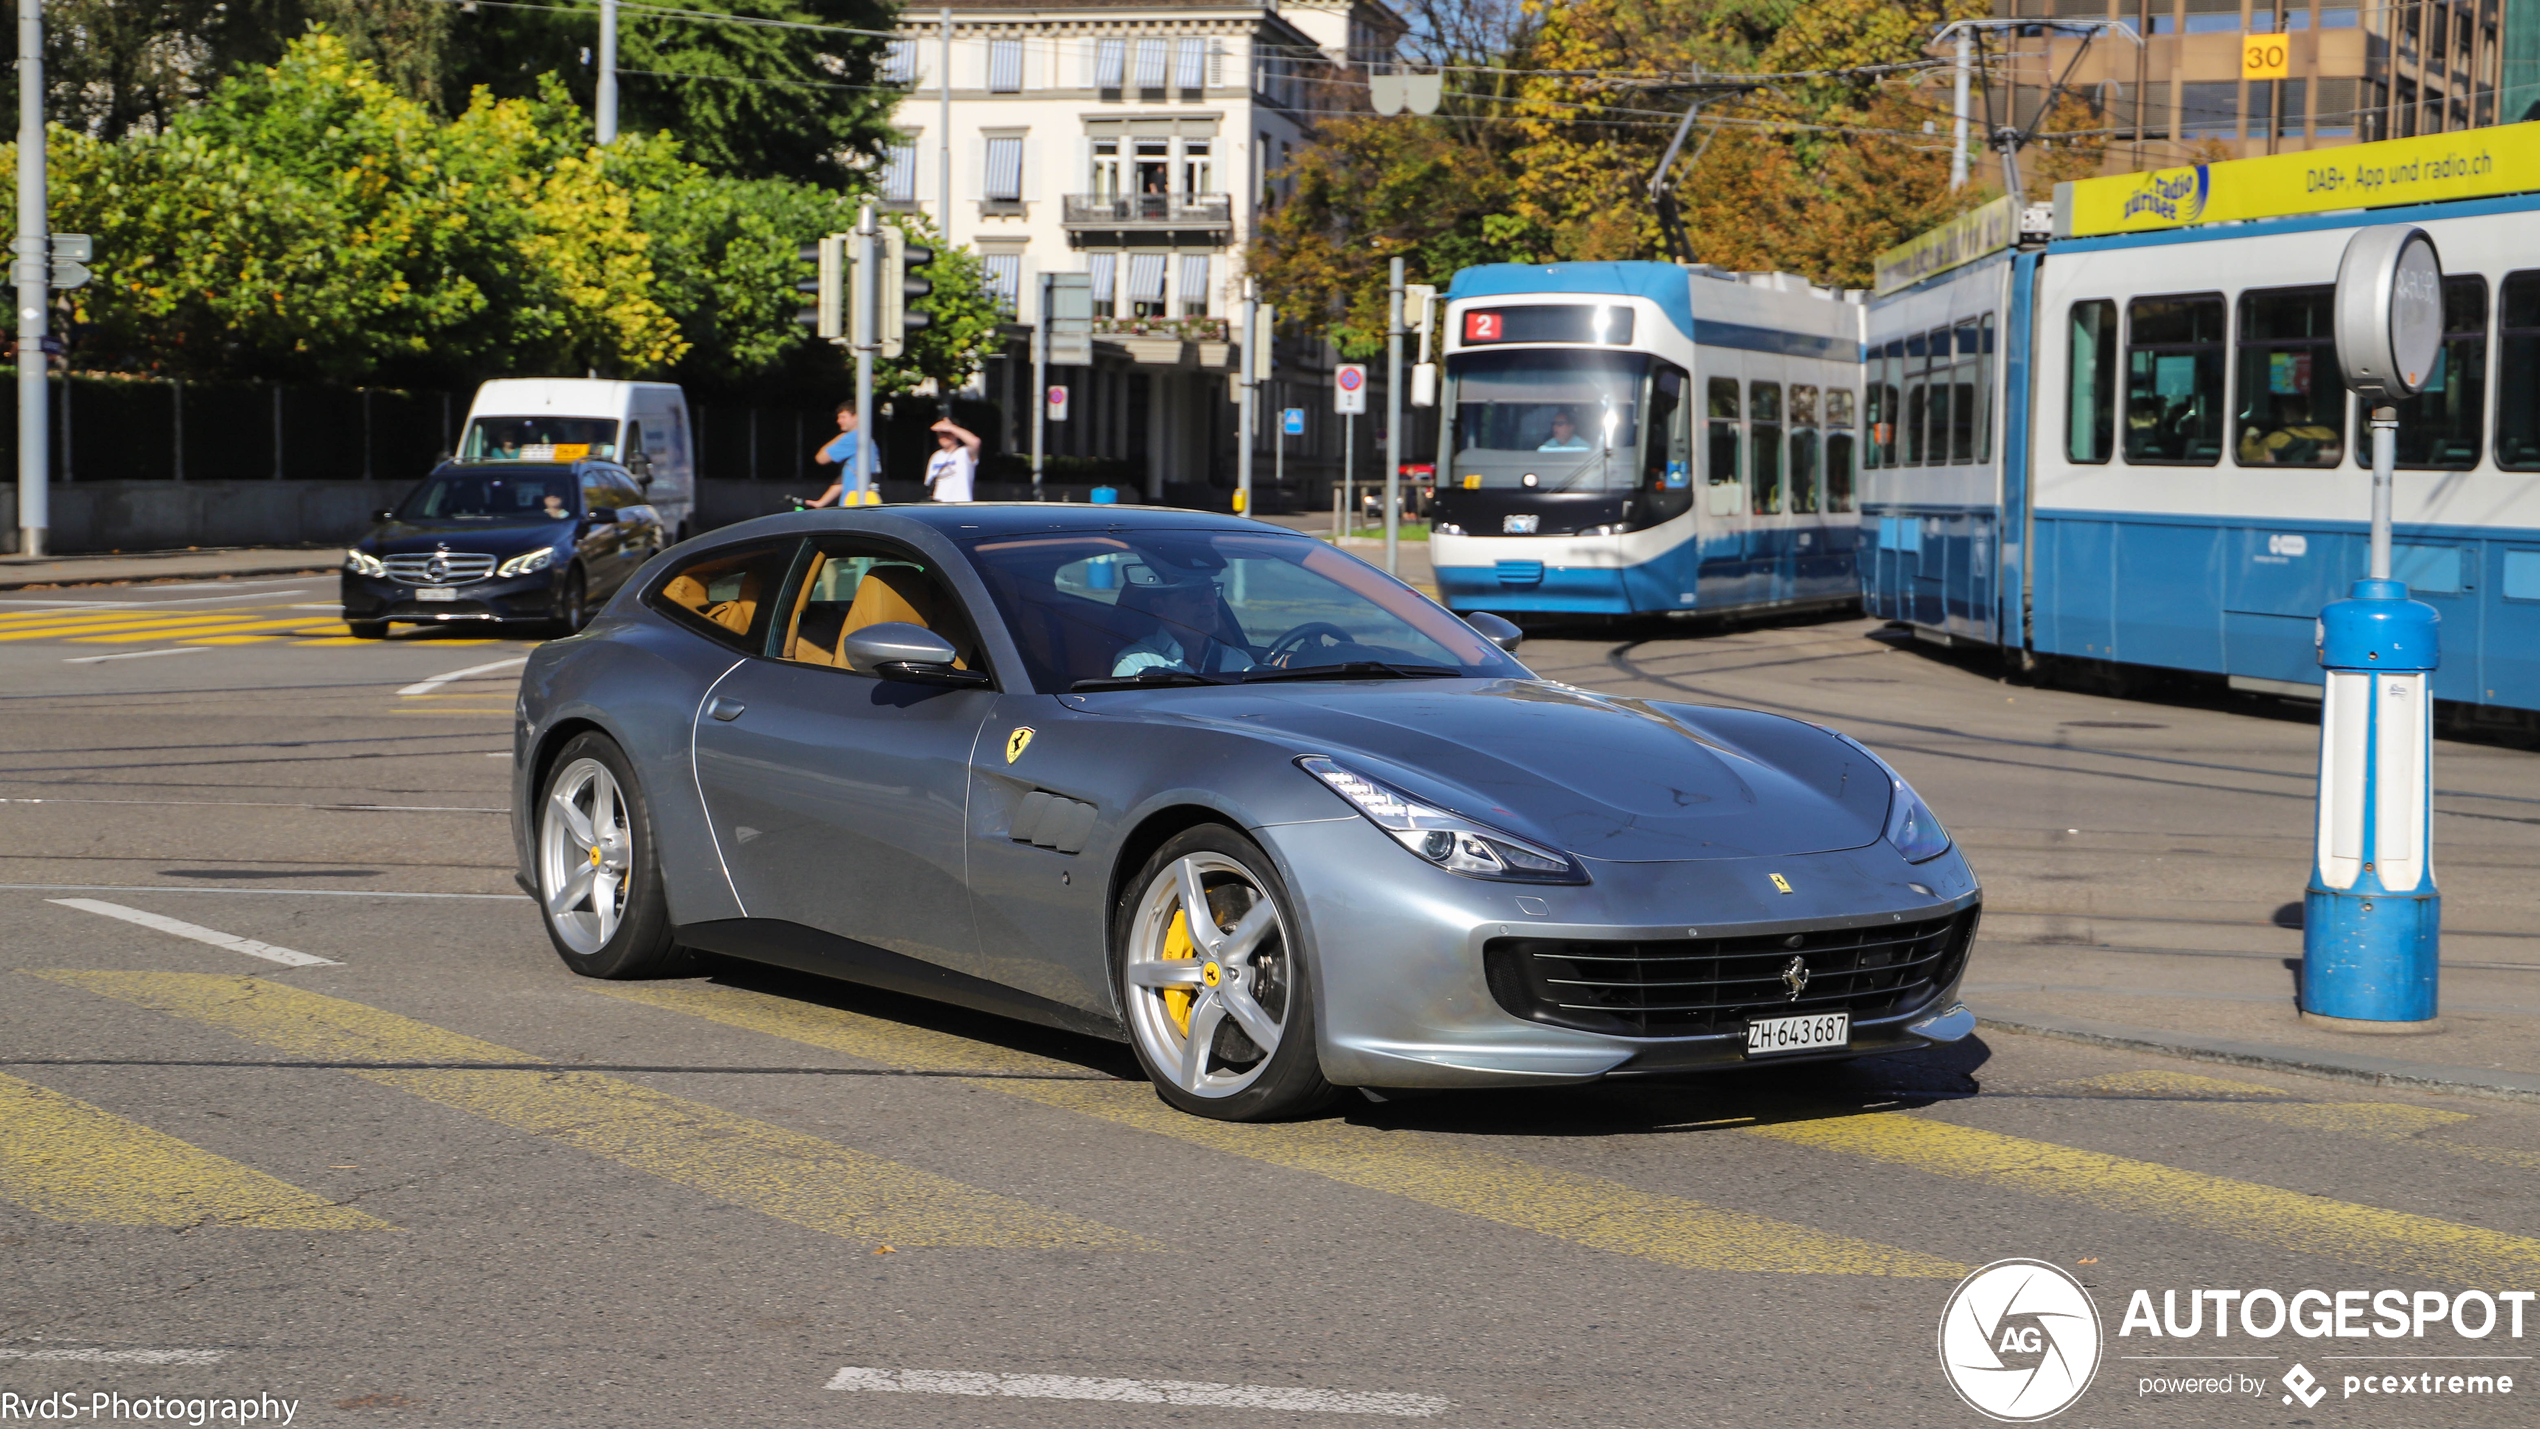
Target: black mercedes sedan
x=501 y=541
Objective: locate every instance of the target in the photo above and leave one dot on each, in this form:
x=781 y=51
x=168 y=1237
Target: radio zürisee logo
x=2019 y=1341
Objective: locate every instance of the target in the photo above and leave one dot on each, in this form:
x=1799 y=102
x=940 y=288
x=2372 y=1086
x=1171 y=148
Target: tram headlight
x=1445 y=528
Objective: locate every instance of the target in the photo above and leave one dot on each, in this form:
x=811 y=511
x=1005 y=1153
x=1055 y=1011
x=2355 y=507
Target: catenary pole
x=1958 y=125
x=943 y=136
x=1040 y=381
x=1249 y=362
x=606 y=120
x=866 y=301
x=32 y=273
x=1393 y=419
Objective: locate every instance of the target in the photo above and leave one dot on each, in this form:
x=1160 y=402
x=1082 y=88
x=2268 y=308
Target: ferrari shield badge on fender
x=1021 y=740
x=1780 y=883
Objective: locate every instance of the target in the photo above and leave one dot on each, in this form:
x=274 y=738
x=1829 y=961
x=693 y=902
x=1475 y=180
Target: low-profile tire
x=599 y=869
x=569 y=599
x=1202 y=994
x=367 y=629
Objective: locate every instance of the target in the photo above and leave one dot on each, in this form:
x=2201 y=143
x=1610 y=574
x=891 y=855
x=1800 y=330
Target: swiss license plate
x=436 y=592
x=1768 y=1035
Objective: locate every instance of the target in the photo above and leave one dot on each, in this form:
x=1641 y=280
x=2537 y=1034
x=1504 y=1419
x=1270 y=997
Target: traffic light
x=827 y=317
x=899 y=286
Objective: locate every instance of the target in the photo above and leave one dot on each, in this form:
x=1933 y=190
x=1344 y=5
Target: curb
x=2341 y=1066
x=12 y=580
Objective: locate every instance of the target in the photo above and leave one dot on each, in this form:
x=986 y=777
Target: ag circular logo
x=2019 y=1341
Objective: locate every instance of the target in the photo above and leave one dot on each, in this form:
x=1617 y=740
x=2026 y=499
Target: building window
x=2164 y=19
x=2439 y=426
x=1106 y=174
x=2335 y=118
x=2090 y=382
x=2518 y=370
x=1110 y=58
x=1105 y=271
x=1005 y=278
x=2209 y=110
x=2339 y=17
x=899 y=172
x=899 y=62
x=1194 y=285
x=2292 y=401
x=2174 y=381
x=1005 y=66
x=1155 y=167
x=1146 y=285
x=1151 y=62
x=2213 y=17
x=1190 y=66
x=1005 y=171
x=1196 y=176
x=2291 y=117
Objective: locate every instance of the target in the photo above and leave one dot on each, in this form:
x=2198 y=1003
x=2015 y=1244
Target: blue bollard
x=2372 y=918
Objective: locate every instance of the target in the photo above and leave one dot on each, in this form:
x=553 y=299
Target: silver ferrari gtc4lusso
x=1222 y=790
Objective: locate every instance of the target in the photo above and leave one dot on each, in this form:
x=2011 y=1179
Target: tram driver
x=1565 y=434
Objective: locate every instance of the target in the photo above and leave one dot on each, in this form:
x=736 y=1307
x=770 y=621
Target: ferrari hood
x=1600 y=776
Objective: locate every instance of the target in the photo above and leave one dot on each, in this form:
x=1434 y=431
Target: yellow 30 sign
x=2264 y=56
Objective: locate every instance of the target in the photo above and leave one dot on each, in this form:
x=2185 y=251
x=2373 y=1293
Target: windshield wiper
x=1148 y=680
x=1357 y=670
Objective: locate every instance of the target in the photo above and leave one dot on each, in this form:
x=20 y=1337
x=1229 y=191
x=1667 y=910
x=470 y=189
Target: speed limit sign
x=2265 y=56
x=1349 y=390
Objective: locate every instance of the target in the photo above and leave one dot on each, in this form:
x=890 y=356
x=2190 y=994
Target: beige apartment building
x=2358 y=70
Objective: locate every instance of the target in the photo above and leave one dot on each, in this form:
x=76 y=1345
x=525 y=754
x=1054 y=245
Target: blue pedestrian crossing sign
x=1292 y=421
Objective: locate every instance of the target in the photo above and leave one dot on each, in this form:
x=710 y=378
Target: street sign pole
x=604 y=119
x=1349 y=456
x=2371 y=917
x=1040 y=385
x=1349 y=398
x=1246 y=363
x=32 y=275
x=867 y=304
x=1393 y=420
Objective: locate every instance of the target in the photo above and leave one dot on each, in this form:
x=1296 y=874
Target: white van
x=642 y=426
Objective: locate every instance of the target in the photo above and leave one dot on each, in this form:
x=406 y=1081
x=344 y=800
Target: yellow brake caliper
x=1178 y=948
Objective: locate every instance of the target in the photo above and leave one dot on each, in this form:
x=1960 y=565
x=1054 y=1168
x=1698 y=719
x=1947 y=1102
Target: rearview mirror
x=897 y=650
x=1497 y=629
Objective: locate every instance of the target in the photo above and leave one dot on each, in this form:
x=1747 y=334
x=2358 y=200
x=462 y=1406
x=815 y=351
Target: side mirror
x=383 y=514
x=1497 y=629
x=602 y=516
x=897 y=650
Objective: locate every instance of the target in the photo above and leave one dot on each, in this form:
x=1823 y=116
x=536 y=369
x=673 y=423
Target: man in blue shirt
x=840 y=453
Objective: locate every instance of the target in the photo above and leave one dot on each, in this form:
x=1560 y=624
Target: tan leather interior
x=886 y=593
x=794 y=647
x=734 y=615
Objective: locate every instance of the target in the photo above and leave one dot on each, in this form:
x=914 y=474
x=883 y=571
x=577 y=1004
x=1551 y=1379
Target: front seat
x=905 y=594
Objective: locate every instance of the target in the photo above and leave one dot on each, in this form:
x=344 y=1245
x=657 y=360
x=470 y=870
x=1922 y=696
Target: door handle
x=724 y=708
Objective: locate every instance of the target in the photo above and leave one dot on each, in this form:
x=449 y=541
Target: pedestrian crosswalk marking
x=2389 y=1121
x=107 y=626
x=2395 y=1241
x=1585 y=1210
x=67 y=1160
x=782 y=1173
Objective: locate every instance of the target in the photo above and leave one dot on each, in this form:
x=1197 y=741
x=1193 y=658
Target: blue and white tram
x=1628 y=438
x=2177 y=477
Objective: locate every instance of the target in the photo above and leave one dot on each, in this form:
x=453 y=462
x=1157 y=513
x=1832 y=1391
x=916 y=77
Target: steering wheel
x=1294 y=641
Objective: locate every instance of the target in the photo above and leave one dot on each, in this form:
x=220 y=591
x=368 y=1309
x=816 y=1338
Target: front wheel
x=1208 y=966
x=599 y=873
x=568 y=613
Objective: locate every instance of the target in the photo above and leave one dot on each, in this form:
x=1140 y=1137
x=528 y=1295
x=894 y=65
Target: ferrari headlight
x=363 y=563
x=1451 y=841
x=526 y=562
x=1911 y=827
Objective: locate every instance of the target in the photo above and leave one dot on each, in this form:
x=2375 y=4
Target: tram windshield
x=1551 y=419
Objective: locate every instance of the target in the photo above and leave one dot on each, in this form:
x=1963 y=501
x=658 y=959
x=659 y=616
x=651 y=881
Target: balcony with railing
x=1150 y=213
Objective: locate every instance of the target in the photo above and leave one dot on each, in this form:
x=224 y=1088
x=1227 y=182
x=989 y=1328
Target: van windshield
x=539 y=439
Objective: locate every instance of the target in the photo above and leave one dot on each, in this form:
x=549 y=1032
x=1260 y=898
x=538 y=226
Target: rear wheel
x=1209 y=969
x=367 y=629
x=599 y=873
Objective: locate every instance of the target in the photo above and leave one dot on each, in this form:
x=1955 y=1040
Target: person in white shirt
x=955 y=462
x=1185 y=611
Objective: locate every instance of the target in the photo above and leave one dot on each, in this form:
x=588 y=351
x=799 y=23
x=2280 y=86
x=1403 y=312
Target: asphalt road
x=436 y=1178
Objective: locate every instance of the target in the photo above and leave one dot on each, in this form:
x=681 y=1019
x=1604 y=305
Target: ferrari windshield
x=1112 y=608
x=491 y=496
x=1554 y=419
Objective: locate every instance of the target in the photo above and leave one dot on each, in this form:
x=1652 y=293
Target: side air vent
x=1049 y=821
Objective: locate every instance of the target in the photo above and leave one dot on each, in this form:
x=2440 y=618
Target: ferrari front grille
x=1695 y=987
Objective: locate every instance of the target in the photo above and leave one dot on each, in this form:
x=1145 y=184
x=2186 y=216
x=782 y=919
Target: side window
x=1890 y=399
x=2518 y=373
x=1917 y=379
x=1668 y=480
x=726 y=594
x=1965 y=382
x=1721 y=467
x=2292 y=399
x=2090 y=388
x=2439 y=426
x=597 y=493
x=1803 y=450
x=1764 y=446
x=2174 y=381
x=1983 y=415
x=1936 y=407
x=848 y=584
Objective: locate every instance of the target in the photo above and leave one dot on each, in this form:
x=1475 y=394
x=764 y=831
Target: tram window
x=2292 y=398
x=1984 y=388
x=2518 y=374
x=2174 y=381
x=1888 y=396
x=1664 y=478
x=1720 y=469
x=1764 y=446
x=1838 y=471
x=1917 y=379
x=1962 y=396
x=1838 y=407
x=2439 y=426
x=1563 y=420
x=2090 y=392
x=1803 y=449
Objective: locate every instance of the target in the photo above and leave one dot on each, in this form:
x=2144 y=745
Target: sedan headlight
x=363 y=563
x=526 y=562
x=1911 y=827
x=1451 y=841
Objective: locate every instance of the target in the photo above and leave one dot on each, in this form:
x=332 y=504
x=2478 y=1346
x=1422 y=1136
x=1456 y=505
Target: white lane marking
x=194 y=1357
x=312 y=604
x=425 y=687
x=137 y=655
x=984 y=1384
x=200 y=934
x=276 y=804
x=295 y=892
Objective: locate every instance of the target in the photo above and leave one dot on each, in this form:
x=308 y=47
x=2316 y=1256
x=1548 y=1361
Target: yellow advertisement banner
x=1962 y=240
x=2475 y=163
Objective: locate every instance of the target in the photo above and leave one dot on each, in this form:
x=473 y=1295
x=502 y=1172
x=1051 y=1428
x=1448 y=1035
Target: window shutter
x=1005 y=171
x=1110 y=56
x=1190 y=64
x=1146 y=277
x=1005 y=278
x=1005 y=66
x=1105 y=268
x=1195 y=285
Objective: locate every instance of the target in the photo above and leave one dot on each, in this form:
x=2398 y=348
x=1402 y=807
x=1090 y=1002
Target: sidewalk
x=232 y=563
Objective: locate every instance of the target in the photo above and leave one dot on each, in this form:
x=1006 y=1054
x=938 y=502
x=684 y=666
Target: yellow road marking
x=63 y=630
x=1586 y=1210
x=2387 y=1121
x=69 y=1161
x=2395 y=1241
x=230 y=627
x=782 y=1173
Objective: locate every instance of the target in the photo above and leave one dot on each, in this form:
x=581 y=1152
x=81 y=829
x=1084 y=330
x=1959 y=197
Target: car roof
x=968 y=519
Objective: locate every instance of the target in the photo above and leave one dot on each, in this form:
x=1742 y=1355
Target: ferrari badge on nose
x=1017 y=742
x=1780 y=883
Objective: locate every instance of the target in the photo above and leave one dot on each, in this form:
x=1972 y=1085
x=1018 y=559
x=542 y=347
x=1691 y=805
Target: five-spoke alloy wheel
x=598 y=885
